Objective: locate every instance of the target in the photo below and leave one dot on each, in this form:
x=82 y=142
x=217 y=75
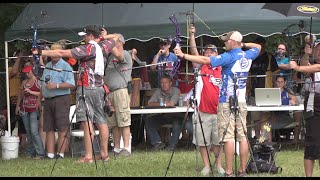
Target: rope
x=206 y=25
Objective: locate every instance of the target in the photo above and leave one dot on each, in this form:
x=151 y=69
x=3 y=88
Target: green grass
x=141 y=164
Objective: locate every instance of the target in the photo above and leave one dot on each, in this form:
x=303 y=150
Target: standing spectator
x=233 y=62
x=170 y=97
x=118 y=80
x=312 y=108
x=27 y=107
x=165 y=56
x=207 y=94
x=56 y=105
x=283 y=63
x=91 y=80
x=15 y=79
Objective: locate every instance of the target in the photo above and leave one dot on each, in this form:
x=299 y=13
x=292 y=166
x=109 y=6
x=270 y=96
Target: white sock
x=50 y=155
x=128 y=149
x=61 y=154
x=117 y=150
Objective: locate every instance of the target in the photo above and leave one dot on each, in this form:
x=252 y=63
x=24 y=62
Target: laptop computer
x=268 y=96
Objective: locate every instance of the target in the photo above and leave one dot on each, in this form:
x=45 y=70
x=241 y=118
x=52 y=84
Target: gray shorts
x=210 y=129
x=94 y=97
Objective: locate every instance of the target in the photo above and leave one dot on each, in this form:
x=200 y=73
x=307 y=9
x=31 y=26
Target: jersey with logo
x=207 y=88
x=86 y=54
x=235 y=67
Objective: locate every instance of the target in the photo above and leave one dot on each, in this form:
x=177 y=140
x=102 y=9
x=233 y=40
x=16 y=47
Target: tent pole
x=7 y=86
x=311 y=39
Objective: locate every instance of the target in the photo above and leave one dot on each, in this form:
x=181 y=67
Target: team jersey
x=235 y=67
x=207 y=89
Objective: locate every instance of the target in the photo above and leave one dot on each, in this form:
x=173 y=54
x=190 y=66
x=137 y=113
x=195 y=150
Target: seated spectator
x=170 y=97
x=281 y=119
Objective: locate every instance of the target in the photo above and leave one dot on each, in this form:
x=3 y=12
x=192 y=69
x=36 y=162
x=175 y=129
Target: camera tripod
x=193 y=100
x=234 y=114
x=81 y=105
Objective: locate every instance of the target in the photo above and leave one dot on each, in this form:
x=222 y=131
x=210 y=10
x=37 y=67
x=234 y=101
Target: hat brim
x=82 y=33
x=27 y=69
x=224 y=38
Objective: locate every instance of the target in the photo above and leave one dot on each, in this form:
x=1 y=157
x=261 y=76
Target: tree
x=8 y=14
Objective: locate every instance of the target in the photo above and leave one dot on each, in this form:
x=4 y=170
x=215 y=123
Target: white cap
x=233 y=35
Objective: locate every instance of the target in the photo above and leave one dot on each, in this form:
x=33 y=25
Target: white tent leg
x=7 y=86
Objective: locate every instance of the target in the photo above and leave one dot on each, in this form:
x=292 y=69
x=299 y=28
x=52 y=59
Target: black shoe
x=58 y=156
x=158 y=146
x=171 y=148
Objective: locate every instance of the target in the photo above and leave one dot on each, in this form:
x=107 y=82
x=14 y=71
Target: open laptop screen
x=268 y=96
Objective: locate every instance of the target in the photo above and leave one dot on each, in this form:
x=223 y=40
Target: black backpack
x=263 y=160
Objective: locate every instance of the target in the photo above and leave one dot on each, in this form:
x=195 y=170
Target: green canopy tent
x=144 y=21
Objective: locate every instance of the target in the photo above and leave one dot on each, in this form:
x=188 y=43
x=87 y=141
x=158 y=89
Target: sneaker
x=158 y=146
x=124 y=153
x=58 y=156
x=30 y=156
x=242 y=174
x=38 y=157
x=221 y=172
x=170 y=148
x=205 y=171
x=228 y=175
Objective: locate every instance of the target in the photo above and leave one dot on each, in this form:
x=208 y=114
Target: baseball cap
x=55 y=46
x=210 y=46
x=27 y=69
x=121 y=38
x=307 y=38
x=166 y=41
x=233 y=35
x=90 y=29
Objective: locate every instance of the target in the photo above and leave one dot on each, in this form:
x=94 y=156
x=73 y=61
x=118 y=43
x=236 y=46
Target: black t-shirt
x=259 y=67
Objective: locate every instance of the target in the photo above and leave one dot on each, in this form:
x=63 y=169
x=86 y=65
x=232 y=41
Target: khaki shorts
x=120 y=100
x=227 y=120
x=210 y=129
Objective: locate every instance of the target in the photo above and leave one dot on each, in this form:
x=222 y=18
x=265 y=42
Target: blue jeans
x=34 y=142
x=156 y=121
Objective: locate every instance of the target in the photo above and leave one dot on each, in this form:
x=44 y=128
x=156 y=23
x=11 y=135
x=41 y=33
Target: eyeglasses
x=281 y=49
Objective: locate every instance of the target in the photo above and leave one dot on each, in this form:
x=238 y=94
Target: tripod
x=234 y=114
x=82 y=105
x=196 y=113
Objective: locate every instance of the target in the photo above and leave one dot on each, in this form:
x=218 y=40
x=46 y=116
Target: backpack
x=263 y=159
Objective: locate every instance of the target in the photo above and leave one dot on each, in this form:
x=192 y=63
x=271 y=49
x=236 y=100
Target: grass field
x=141 y=163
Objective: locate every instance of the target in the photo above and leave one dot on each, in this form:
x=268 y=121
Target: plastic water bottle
x=161 y=102
x=180 y=101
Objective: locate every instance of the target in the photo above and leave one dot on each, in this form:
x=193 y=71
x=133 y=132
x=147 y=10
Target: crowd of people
x=222 y=91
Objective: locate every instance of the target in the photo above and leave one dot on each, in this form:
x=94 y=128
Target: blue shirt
x=285 y=98
x=57 y=77
x=234 y=62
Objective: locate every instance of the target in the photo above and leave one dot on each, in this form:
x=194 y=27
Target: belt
x=50 y=98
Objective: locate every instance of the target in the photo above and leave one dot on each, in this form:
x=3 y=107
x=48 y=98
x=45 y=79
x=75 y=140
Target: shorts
x=94 y=98
x=210 y=129
x=120 y=100
x=56 y=113
x=227 y=123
